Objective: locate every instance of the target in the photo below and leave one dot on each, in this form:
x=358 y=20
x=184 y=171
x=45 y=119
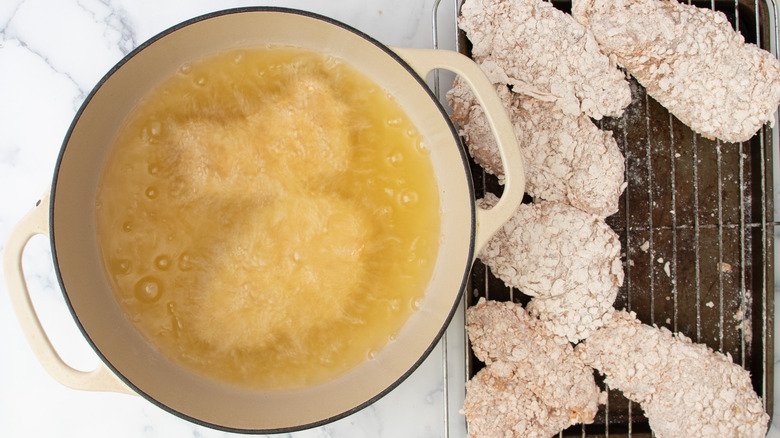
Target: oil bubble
x=148 y=290
x=416 y=303
x=186 y=262
x=408 y=198
x=185 y=69
x=151 y=193
x=395 y=159
x=153 y=169
x=155 y=128
x=151 y=131
x=422 y=147
x=120 y=266
x=200 y=81
x=162 y=262
x=127 y=227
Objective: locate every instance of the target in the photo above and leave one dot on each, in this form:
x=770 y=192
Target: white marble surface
x=52 y=53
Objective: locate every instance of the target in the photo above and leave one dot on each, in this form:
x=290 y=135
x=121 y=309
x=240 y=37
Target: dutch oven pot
x=130 y=363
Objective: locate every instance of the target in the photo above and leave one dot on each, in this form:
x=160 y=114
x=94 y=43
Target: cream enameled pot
x=67 y=215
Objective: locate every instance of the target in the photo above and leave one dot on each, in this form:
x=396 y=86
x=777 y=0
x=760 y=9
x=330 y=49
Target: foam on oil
x=268 y=217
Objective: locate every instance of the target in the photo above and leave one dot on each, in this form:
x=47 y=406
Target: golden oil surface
x=268 y=217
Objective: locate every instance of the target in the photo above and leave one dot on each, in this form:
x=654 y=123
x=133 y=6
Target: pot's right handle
x=488 y=221
x=35 y=222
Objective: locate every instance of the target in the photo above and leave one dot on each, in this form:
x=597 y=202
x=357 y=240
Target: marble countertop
x=52 y=52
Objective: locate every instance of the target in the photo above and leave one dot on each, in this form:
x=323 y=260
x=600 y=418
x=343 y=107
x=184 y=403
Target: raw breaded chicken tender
x=567 y=158
x=569 y=260
x=542 y=51
x=686 y=389
x=574 y=315
x=533 y=385
x=549 y=248
x=691 y=61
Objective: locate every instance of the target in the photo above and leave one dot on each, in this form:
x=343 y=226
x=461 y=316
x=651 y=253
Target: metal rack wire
x=696 y=225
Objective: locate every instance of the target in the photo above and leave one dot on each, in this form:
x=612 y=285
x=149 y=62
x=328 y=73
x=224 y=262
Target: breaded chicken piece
x=542 y=51
x=574 y=316
x=533 y=385
x=504 y=331
x=691 y=61
x=567 y=259
x=686 y=389
x=567 y=158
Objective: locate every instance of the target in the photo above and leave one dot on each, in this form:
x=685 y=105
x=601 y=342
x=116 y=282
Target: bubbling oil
x=268 y=217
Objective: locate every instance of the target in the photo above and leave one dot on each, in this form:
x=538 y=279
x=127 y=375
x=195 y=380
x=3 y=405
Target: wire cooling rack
x=696 y=224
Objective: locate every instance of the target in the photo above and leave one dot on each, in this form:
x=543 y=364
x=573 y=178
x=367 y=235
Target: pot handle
x=35 y=222
x=423 y=61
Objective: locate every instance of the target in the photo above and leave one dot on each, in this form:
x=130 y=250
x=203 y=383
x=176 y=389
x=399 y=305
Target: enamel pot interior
x=87 y=290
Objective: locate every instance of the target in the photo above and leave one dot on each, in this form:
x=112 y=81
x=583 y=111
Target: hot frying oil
x=268 y=217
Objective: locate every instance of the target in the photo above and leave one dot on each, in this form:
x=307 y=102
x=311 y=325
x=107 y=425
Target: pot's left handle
x=488 y=221
x=35 y=222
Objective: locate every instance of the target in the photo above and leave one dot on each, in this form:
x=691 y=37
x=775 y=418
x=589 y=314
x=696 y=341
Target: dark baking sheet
x=696 y=227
